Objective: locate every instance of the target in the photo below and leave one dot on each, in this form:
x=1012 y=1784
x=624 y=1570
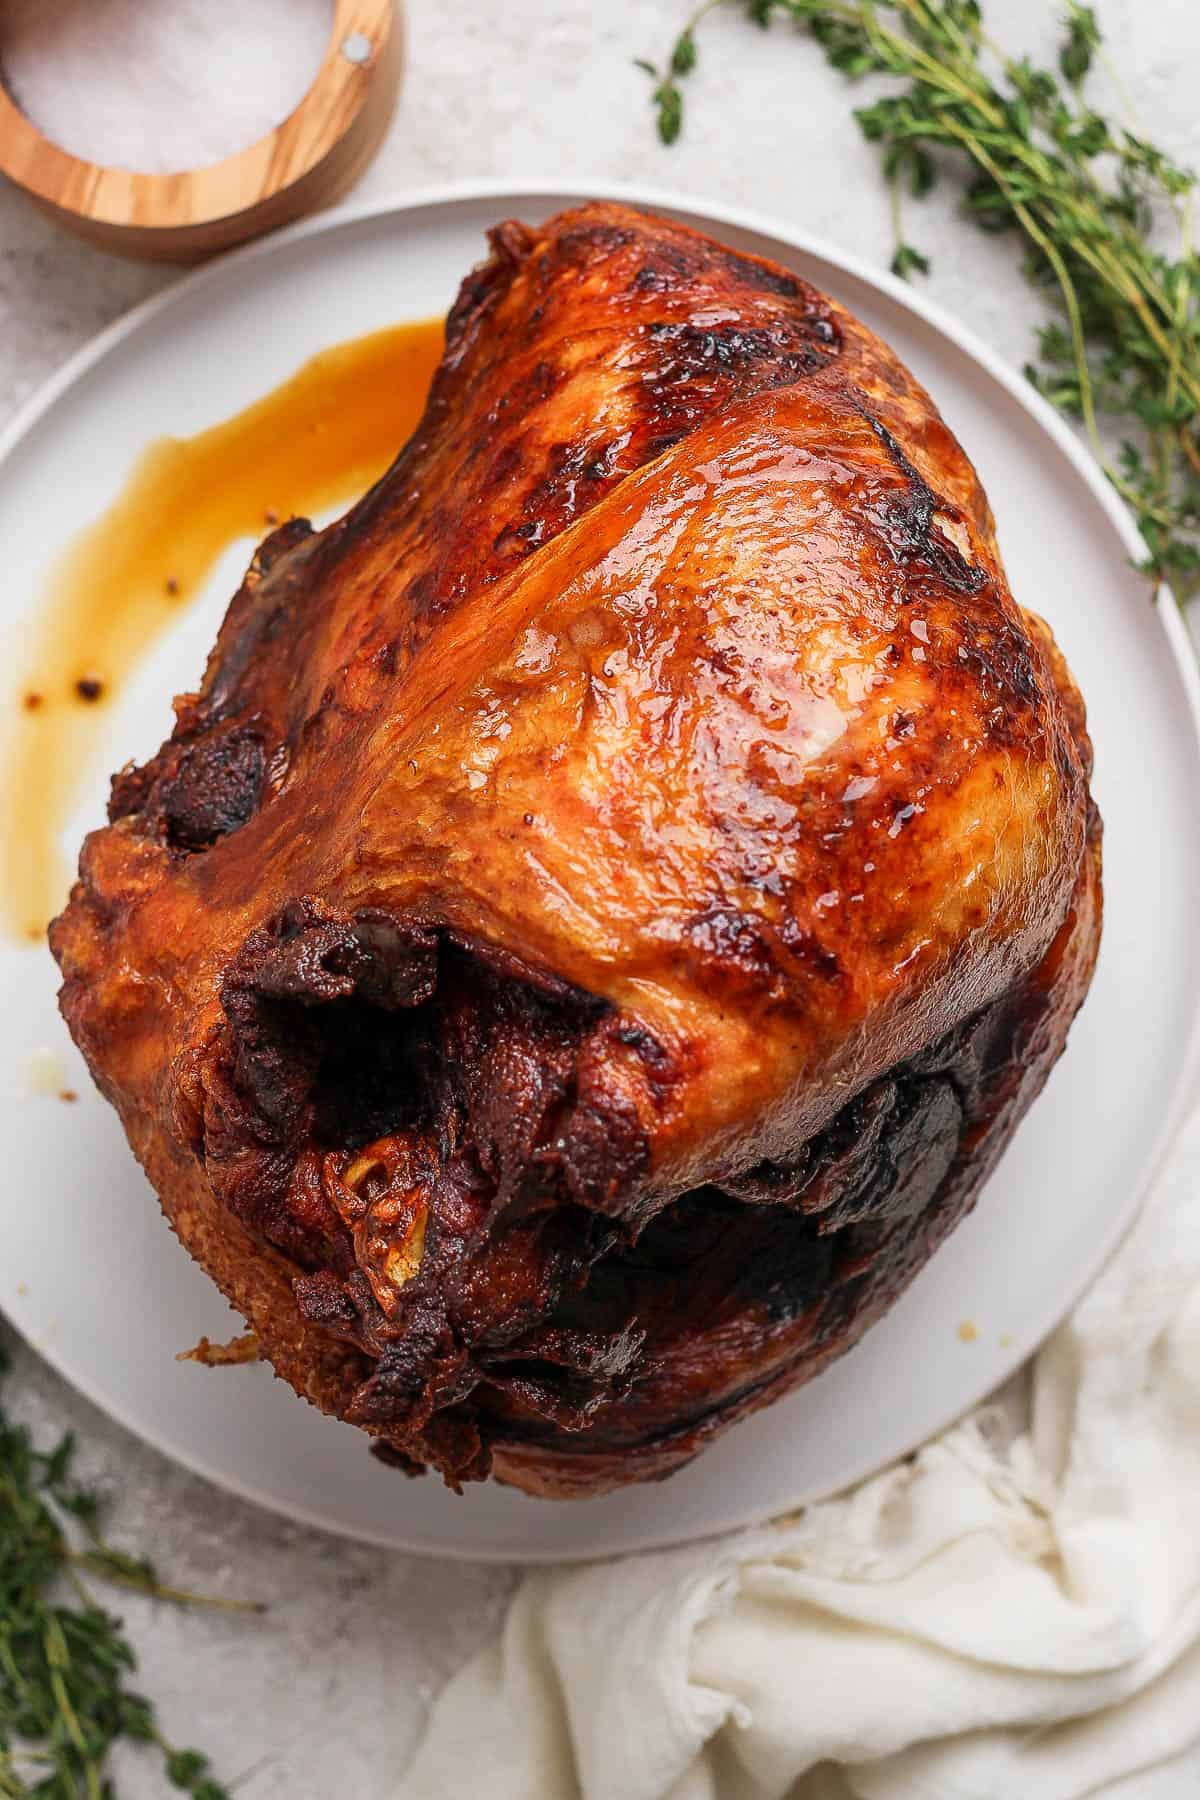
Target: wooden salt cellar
x=309 y=161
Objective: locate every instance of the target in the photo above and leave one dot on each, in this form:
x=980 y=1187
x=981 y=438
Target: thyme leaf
x=1090 y=198
x=65 y=1661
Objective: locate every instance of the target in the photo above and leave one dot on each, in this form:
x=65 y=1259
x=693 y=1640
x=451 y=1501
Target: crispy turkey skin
x=615 y=891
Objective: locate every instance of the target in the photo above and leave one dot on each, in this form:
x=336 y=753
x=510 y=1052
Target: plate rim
x=708 y=215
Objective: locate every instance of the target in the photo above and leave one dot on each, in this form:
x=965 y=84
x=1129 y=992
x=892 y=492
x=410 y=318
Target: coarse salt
x=163 y=87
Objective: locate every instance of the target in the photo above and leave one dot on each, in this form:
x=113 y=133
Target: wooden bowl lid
x=309 y=161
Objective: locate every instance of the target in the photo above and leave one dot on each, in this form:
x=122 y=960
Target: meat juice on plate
x=312 y=443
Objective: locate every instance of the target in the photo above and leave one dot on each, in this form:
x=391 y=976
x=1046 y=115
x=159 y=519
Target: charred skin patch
x=679 y=264
x=905 y=522
x=214 y=790
x=741 y=953
x=687 y=371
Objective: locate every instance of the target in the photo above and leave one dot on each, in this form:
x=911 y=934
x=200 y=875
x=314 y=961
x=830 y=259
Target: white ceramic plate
x=88 y=1270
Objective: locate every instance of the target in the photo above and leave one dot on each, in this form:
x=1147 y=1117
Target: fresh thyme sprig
x=1089 y=197
x=64 y=1660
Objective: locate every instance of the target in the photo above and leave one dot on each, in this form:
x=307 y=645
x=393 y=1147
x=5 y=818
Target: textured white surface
x=325 y=1695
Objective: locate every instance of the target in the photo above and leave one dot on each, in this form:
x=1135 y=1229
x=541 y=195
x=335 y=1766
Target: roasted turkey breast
x=615 y=891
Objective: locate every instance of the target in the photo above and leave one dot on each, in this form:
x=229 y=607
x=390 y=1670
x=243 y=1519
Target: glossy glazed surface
x=615 y=892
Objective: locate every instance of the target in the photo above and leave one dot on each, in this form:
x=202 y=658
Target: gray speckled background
x=325 y=1694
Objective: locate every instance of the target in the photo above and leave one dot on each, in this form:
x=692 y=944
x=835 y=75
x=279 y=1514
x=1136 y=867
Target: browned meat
x=615 y=892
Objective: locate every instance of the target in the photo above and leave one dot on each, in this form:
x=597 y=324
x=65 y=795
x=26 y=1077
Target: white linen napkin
x=989 y=1620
